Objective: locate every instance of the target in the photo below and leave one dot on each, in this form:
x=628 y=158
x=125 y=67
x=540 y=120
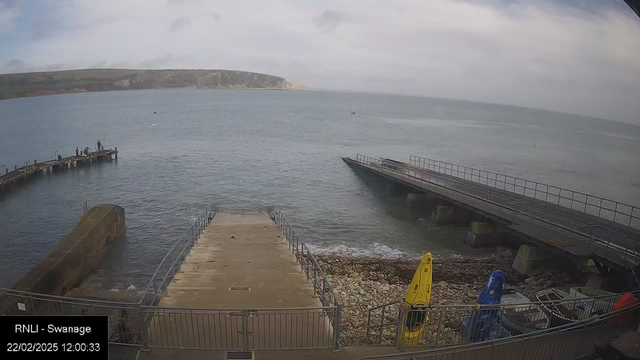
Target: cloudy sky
x=578 y=56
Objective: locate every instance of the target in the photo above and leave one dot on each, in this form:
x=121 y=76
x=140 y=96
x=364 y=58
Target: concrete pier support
x=484 y=234
x=422 y=201
x=447 y=214
x=395 y=189
x=531 y=257
x=443 y=214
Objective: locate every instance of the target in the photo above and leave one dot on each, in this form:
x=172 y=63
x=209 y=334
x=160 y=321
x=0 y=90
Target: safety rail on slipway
x=148 y=326
x=171 y=263
x=309 y=265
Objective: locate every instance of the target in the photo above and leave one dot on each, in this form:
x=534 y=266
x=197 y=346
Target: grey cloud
x=263 y=64
x=54 y=67
x=99 y=64
x=15 y=65
x=49 y=27
x=179 y=2
x=8 y=3
x=19 y=66
x=119 y=64
x=296 y=65
x=55 y=5
x=180 y=23
x=91 y=24
x=42 y=28
x=328 y=20
x=165 y=61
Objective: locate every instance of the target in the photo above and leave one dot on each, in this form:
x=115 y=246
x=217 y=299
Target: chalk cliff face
x=73 y=81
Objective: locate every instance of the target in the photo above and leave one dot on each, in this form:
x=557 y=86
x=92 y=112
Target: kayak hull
x=417 y=300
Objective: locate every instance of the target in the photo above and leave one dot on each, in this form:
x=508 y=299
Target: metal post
x=315 y=278
x=324 y=291
x=245 y=330
x=144 y=330
x=337 y=327
x=399 y=343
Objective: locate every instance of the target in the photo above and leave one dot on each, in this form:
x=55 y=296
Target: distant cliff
x=89 y=80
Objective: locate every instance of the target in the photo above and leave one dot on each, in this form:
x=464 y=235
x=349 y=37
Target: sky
x=576 y=56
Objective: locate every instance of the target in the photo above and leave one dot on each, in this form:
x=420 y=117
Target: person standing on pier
x=77 y=151
x=99 y=145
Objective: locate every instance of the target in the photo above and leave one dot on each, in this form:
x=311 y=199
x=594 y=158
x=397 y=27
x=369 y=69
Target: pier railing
x=171 y=263
x=146 y=325
x=189 y=328
x=240 y=329
x=572 y=340
x=612 y=210
x=596 y=239
x=126 y=320
x=315 y=275
x=447 y=325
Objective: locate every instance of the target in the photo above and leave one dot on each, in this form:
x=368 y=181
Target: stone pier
x=531 y=257
x=422 y=201
x=485 y=234
x=447 y=214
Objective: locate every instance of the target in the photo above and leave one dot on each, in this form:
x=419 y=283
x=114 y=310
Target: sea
x=248 y=149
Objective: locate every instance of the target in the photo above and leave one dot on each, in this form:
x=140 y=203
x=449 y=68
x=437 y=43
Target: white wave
x=376 y=250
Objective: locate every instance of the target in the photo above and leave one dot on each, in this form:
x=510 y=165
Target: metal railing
x=240 y=329
x=189 y=328
x=446 y=325
x=599 y=240
x=612 y=210
x=315 y=275
x=383 y=324
x=171 y=263
x=569 y=341
x=146 y=325
x=124 y=318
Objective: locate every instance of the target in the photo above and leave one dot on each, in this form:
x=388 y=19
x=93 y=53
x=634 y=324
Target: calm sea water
x=255 y=148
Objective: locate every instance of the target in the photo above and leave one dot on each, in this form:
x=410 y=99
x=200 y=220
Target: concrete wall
x=73 y=258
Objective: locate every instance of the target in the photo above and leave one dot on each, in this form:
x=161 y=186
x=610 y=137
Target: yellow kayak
x=417 y=299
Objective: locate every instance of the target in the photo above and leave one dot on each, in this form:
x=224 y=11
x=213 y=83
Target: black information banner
x=48 y=337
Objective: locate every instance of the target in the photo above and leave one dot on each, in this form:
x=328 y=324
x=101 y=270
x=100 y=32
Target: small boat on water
x=562 y=308
x=519 y=316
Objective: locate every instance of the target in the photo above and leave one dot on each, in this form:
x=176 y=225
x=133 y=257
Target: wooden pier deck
x=579 y=232
x=9 y=178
